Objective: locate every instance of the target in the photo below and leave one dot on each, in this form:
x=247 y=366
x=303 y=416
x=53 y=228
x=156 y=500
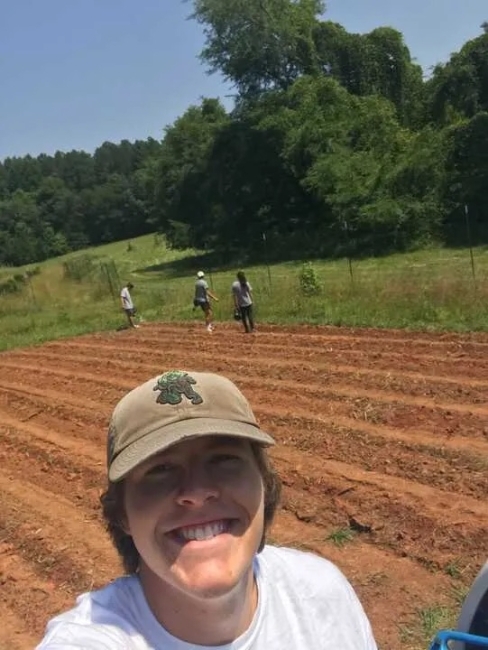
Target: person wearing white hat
x=190 y=498
x=202 y=299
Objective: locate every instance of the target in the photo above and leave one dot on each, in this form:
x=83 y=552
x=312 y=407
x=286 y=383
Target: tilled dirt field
x=383 y=433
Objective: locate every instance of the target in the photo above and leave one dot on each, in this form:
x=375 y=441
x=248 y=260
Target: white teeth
x=207 y=531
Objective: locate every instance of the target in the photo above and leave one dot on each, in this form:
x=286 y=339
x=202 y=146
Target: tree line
x=336 y=144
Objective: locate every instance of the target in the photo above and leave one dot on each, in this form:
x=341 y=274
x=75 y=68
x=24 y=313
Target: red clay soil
x=384 y=433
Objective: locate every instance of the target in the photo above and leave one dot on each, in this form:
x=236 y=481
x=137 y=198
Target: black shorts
x=131 y=312
x=204 y=305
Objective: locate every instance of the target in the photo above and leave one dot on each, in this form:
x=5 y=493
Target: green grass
x=419 y=633
x=429 y=621
x=431 y=289
x=341 y=536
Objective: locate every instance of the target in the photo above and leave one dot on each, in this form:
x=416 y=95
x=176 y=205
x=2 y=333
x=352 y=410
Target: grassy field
x=430 y=289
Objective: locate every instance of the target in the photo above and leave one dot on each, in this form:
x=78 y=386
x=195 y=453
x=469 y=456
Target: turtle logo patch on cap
x=173 y=385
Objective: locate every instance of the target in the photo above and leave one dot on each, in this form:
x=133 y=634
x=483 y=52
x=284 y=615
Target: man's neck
x=202 y=621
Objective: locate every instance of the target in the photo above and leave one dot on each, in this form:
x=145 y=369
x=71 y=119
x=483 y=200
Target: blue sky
x=74 y=73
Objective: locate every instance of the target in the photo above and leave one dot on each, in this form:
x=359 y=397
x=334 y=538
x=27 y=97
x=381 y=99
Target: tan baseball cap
x=173 y=407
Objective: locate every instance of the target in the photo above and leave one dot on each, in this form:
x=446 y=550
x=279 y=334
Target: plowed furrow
x=23 y=637
x=388 y=522
x=37 y=463
x=304 y=431
x=445 y=468
x=300 y=381
x=440 y=424
x=456 y=389
x=70 y=420
x=321 y=339
x=80 y=380
x=26 y=390
x=409 y=454
x=380 y=406
x=417 y=521
x=308 y=336
x=62 y=442
x=298 y=428
x=411 y=360
x=32 y=599
x=38 y=398
x=440 y=443
x=80 y=386
x=65 y=544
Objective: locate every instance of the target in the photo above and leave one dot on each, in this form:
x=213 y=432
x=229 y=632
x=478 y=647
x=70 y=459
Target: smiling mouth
x=203 y=532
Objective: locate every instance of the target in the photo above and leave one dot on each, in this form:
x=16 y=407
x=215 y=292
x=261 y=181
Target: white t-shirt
x=126 y=299
x=242 y=293
x=201 y=288
x=305 y=603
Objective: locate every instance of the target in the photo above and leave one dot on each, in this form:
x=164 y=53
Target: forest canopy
x=337 y=144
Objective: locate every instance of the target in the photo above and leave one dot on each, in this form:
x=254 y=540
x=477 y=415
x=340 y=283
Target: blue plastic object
x=445 y=636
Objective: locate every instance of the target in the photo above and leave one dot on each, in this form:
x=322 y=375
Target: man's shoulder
x=98 y=619
x=301 y=566
x=313 y=591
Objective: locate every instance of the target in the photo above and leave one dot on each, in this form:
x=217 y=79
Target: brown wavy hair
x=113 y=511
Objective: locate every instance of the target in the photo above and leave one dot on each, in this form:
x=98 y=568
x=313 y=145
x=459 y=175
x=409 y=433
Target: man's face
x=196 y=514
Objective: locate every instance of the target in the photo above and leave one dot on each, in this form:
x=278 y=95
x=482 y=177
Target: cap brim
x=153 y=442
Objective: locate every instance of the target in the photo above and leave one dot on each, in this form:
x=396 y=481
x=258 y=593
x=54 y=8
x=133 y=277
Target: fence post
x=34 y=299
x=468 y=232
x=109 y=280
x=266 y=261
x=348 y=248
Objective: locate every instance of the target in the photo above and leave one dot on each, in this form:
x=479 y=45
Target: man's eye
x=226 y=458
x=159 y=471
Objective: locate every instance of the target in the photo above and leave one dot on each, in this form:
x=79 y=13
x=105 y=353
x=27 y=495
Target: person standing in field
x=243 y=301
x=127 y=304
x=190 y=497
x=202 y=299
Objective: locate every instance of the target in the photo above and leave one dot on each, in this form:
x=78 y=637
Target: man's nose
x=197 y=487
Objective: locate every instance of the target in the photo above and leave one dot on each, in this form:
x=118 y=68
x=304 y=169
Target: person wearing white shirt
x=127 y=304
x=190 y=497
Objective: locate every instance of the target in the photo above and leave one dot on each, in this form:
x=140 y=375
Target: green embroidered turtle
x=173 y=385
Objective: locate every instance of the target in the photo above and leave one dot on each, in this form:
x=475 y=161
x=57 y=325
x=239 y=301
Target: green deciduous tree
x=182 y=187
x=467 y=178
x=460 y=87
x=258 y=44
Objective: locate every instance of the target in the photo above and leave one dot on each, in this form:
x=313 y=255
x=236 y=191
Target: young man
x=191 y=494
x=202 y=298
x=127 y=304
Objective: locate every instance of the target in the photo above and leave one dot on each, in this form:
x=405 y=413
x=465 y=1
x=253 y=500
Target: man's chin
x=209 y=590
x=211 y=582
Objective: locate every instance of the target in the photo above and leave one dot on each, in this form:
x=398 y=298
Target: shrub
x=309 y=282
x=13 y=285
